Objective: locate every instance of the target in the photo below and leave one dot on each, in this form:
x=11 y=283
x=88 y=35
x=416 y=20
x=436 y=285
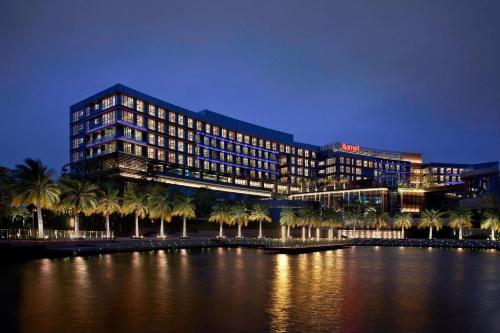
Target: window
x=138 y=135
x=180 y=146
x=108 y=118
x=77 y=115
x=151 y=139
x=127 y=147
x=128 y=117
x=151 y=110
x=151 y=124
x=161 y=155
x=171 y=157
x=140 y=106
x=161 y=113
x=128 y=101
x=180 y=133
x=151 y=153
x=161 y=141
x=190 y=122
x=171 y=130
x=108 y=102
x=140 y=121
x=171 y=144
x=180 y=120
x=138 y=150
x=171 y=117
x=161 y=127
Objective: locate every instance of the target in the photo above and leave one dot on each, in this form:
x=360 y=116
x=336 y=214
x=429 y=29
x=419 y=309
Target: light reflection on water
x=244 y=290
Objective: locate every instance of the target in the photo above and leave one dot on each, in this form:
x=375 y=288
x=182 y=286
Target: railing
x=25 y=234
x=283 y=242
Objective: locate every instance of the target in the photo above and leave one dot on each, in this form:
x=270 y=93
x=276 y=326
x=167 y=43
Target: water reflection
x=241 y=290
x=279 y=308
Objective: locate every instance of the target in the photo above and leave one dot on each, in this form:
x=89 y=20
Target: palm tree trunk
x=239 y=230
x=40 y=221
x=402 y=232
x=136 y=226
x=77 y=227
x=260 y=229
x=430 y=232
x=162 y=231
x=221 y=233
x=108 y=231
x=317 y=233
x=283 y=232
x=331 y=233
x=184 y=233
x=288 y=231
x=492 y=234
x=309 y=232
x=303 y=233
x=460 y=233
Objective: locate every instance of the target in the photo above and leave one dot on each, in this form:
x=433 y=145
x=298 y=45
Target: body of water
x=360 y=289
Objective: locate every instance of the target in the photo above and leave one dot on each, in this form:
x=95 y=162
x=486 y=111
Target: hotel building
x=126 y=134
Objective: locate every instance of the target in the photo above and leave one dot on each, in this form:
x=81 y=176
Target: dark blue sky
x=403 y=75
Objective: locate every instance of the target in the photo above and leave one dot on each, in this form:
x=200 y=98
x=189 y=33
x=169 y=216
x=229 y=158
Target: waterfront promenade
x=19 y=249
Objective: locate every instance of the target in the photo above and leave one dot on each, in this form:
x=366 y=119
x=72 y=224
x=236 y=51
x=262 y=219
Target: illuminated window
x=161 y=141
x=207 y=128
x=171 y=130
x=180 y=146
x=171 y=117
x=190 y=122
x=151 y=124
x=151 y=110
x=128 y=117
x=108 y=118
x=140 y=106
x=151 y=139
x=140 y=121
x=108 y=102
x=171 y=144
x=161 y=113
x=128 y=101
x=151 y=153
x=161 y=155
x=127 y=147
x=171 y=157
x=180 y=120
x=180 y=159
x=180 y=133
x=161 y=126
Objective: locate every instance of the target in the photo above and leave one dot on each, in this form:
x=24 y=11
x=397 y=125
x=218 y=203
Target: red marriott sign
x=350 y=148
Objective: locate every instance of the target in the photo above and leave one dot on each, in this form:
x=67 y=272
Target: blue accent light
x=237 y=165
x=236 y=142
x=236 y=154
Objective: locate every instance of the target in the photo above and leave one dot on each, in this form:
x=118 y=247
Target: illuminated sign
x=350 y=148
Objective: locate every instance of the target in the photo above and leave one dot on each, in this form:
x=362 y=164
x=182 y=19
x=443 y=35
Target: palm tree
x=160 y=206
x=34 y=186
x=332 y=219
x=259 y=213
x=431 y=219
x=353 y=219
x=239 y=216
x=288 y=219
x=184 y=207
x=108 y=202
x=78 y=196
x=460 y=218
x=377 y=218
x=308 y=216
x=403 y=220
x=135 y=201
x=491 y=220
x=221 y=214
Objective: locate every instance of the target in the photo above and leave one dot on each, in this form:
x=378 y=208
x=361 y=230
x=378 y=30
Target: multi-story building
x=123 y=133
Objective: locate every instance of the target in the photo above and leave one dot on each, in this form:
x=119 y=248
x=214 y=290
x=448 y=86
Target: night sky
x=418 y=76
